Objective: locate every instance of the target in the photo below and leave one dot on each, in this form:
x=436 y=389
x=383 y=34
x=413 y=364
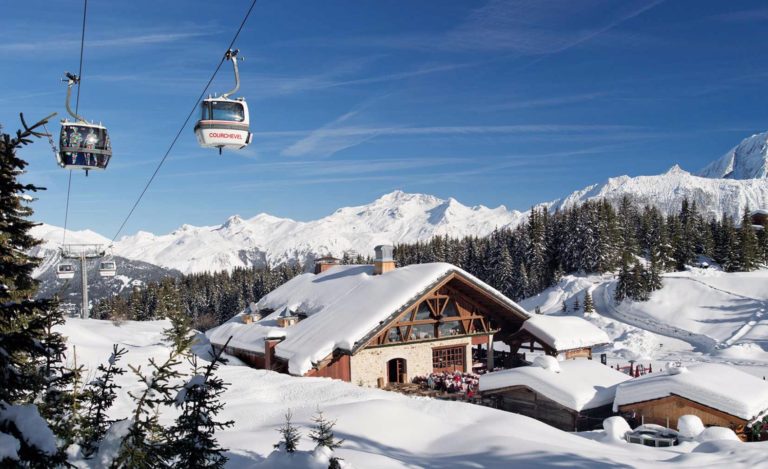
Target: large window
x=448 y=359
x=223 y=111
x=449 y=328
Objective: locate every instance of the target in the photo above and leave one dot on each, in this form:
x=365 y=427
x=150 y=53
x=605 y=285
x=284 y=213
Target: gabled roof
x=565 y=332
x=343 y=305
x=720 y=387
x=578 y=385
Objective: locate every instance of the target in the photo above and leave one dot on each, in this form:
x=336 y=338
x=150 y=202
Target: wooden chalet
x=759 y=218
x=373 y=324
x=575 y=395
x=720 y=395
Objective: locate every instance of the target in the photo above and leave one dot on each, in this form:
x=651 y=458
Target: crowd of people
x=450 y=382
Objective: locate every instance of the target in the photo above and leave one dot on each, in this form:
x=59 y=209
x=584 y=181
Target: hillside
x=747 y=160
x=381 y=429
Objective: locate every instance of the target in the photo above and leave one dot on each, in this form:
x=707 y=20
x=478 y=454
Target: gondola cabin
x=65 y=271
x=83 y=145
x=224 y=123
x=108 y=269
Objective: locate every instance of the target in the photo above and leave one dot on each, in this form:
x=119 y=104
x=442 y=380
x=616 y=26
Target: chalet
x=372 y=324
x=565 y=337
x=573 y=395
x=759 y=218
x=719 y=395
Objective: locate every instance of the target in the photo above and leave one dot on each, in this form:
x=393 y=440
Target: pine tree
x=192 y=437
x=748 y=248
x=564 y=309
x=322 y=433
x=98 y=396
x=589 y=307
x=143 y=447
x=290 y=435
x=22 y=319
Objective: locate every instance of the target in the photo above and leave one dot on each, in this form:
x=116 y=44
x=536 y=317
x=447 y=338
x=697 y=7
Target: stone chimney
x=384 y=262
x=325 y=263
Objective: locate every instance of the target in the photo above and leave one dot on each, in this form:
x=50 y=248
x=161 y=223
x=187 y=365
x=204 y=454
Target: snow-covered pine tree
x=589 y=306
x=322 y=432
x=22 y=319
x=564 y=309
x=576 y=305
x=192 y=437
x=144 y=447
x=748 y=249
x=290 y=435
x=98 y=397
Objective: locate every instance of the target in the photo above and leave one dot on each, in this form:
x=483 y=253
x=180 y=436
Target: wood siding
x=673 y=407
x=337 y=368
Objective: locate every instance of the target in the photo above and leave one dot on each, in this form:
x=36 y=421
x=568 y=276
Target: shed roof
x=579 y=384
x=721 y=387
x=565 y=332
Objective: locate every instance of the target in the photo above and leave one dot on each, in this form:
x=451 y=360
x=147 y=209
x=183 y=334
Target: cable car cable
x=184 y=125
x=77 y=109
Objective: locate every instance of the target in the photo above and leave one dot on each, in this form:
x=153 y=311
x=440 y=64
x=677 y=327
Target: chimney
x=384 y=261
x=325 y=263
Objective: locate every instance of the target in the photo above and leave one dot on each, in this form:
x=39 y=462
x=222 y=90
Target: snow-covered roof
x=342 y=305
x=580 y=384
x=721 y=387
x=565 y=332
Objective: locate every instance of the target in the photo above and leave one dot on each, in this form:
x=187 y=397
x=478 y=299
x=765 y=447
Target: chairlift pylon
x=224 y=122
x=82 y=144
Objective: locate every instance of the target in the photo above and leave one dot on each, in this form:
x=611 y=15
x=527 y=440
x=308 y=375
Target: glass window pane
x=424 y=312
x=227 y=111
x=394 y=335
x=450 y=328
x=450 y=310
x=423 y=331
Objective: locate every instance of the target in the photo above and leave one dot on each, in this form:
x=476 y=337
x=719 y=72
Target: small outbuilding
x=720 y=395
x=565 y=337
x=573 y=395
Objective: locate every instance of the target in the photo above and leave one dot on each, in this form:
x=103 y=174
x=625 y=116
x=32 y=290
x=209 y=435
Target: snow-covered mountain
x=747 y=160
x=713 y=197
x=397 y=217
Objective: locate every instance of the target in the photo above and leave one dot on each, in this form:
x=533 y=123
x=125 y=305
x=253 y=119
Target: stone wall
x=368 y=365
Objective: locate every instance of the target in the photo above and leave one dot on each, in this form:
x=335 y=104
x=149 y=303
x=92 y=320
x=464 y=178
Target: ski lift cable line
x=184 y=125
x=77 y=109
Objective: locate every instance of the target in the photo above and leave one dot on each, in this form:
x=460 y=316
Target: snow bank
x=717 y=434
x=565 y=332
x=689 y=426
x=721 y=387
x=615 y=429
x=580 y=384
x=342 y=305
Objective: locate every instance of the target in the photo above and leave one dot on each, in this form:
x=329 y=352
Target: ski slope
x=381 y=429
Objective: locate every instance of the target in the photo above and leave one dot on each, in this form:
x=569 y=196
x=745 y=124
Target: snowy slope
x=747 y=160
x=381 y=429
x=713 y=197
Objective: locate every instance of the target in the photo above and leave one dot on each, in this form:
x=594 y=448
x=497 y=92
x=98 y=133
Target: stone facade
x=368 y=365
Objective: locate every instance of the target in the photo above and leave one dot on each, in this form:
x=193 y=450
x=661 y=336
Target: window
x=450 y=328
x=423 y=312
x=448 y=359
x=423 y=331
x=394 y=335
x=227 y=111
x=450 y=310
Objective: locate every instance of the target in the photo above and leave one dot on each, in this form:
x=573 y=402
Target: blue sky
x=512 y=102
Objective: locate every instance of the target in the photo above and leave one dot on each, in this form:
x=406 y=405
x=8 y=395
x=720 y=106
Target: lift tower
x=83 y=253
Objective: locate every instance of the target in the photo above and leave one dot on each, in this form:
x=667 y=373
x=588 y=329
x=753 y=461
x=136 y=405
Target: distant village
x=435 y=330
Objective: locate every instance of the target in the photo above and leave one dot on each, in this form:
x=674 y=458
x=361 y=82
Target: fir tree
x=748 y=248
x=143 y=446
x=192 y=437
x=322 y=433
x=589 y=307
x=290 y=435
x=22 y=319
x=98 y=396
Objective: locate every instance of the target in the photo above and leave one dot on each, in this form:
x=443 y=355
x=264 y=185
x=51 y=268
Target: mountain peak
x=676 y=169
x=747 y=160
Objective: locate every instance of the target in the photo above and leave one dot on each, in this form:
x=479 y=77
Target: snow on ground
x=701 y=315
x=381 y=429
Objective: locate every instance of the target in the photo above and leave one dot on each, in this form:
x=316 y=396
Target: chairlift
x=224 y=122
x=108 y=268
x=65 y=271
x=82 y=144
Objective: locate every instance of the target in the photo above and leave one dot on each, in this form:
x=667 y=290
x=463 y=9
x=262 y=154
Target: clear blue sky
x=492 y=103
